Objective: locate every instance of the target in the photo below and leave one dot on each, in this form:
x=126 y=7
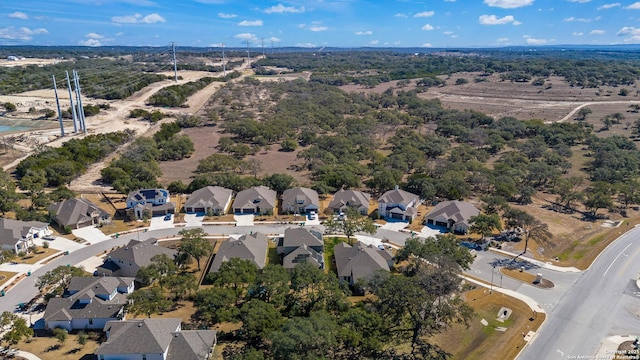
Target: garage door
x=248 y=211
x=199 y=210
x=396 y=216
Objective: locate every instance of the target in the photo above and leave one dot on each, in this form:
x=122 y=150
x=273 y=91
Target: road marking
x=560 y=352
x=614 y=260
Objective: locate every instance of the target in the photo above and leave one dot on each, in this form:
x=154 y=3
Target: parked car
x=48 y=238
x=167 y=217
x=313 y=215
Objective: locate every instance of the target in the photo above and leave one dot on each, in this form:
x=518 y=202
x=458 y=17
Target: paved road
x=603 y=301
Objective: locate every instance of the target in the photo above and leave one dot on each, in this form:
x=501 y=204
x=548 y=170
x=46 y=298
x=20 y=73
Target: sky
x=319 y=23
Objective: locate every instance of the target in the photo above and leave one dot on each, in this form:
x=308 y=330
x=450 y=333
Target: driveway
x=158 y=222
x=243 y=219
x=91 y=264
x=91 y=234
x=394 y=225
x=193 y=219
x=62 y=244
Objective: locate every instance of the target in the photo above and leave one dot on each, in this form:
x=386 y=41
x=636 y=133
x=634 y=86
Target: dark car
x=167 y=217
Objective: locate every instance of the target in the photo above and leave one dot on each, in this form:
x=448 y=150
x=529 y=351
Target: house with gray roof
x=301 y=244
x=150 y=202
x=89 y=303
x=360 y=261
x=398 y=204
x=78 y=213
x=251 y=247
x=17 y=235
x=155 y=339
x=128 y=259
x=346 y=199
x=256 y=200
x=211 y=199
x=453 y=215
x=300 y=200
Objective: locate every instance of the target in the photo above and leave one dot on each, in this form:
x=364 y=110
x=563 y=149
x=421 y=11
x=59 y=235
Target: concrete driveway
x=158 y=222
x=193 y=219
x=244 y=219
x=394 y=225
x=91 y=234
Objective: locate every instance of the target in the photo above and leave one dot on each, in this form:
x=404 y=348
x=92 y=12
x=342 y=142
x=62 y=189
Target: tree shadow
x=513 y=264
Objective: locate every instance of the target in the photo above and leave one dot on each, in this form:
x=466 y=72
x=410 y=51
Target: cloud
x=246 y=36
x=306 y=45
x=424 y=14
x=317 y=28
x=284 y=9
x=628 y=30
x=250 y=23
x=374 y=42
x=534 y=41
x=368 y=32
x=401 y=15
x=584 y=20
x=597 y=32
x=579 y=1
x=502 y=40
x=577 y=33
x=93 y=35
x=448 y=32
x=634 y=6
x=138 y=19
x=494 y=20
x=609 y=6
x=427 y=27
x=23 y=33
x=227 y=16
x=508 y=4
x=119 y=33
x=427 y=45
x=18 y=15
x=90 y=42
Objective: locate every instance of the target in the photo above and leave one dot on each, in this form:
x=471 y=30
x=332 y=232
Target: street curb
x=539 y=263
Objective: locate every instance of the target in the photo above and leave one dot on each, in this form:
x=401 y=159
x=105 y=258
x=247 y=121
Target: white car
x=313 y=215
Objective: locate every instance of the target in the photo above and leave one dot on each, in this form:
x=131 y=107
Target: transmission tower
x=55 y=91
x=73 y=108
x=175 y=65
x=83 y=124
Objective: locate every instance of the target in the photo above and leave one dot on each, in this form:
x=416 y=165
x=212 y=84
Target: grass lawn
x=484 y=342
x=329 y=243
x=34 y=258
x=70 y=349
x=117 y=226
x=5 y=276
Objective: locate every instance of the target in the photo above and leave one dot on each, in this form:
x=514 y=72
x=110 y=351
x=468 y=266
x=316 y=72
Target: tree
x=442 y=249
x=57 y=280
x=279 y=182
x=629 y=192
x=596 y=200
x=82 y=338
x=60 y=334
x=259 y=319
x=216 y=305
x=310 y=337
x=18 y=328
x=568 y=192
x=583 y=112
x=271 y=285
x=532 y=227
x=194 y=244
x=350 y=224
x=10 y=107
x=149 y=301
x=160 y=268
x=236 y=274
x=8 y=195
x=485 y=224
x=288 y=145
x=182 y=285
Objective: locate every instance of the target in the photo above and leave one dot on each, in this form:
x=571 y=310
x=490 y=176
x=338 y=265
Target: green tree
x=18 y=328
x=279 y=182
x=532 y=227
x=597 y=200
x=442 y=250
x=10 y=107
x=160 y=268
x=82 y=338
x=216 y=305
x=60 y=334
x=8 y=195
x=271 y=285
x=288 y=145
x=259 y=319
x=583 y=112
x=182 y=285
x=57 y=280
x=235 y=274
x=194 y=244
x=149 y=301
x=485 y=224
x=309 y=338
x=351 y=224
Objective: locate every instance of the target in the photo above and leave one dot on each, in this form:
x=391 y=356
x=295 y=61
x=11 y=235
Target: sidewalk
x=27 y=355
x=538 y=262
x=527 y=300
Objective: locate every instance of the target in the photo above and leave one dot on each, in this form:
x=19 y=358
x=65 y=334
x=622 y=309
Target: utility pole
x=224 y=66
x=248 y=53
x=175 y=65
x=55 y=91
x=73 y=108
x=262 y=47
x=83 y=124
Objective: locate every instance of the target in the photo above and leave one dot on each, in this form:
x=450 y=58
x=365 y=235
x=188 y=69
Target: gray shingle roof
x=260 y=196
x=144 y=336
x=291 y=197
x=398 y=196
x=360 y=260
x=210 y=196
x=13 y=230
x=250 y=247
x=351 y=198
x=300 y=236
x=141 y=252
x=191 y=344
x=301 y=254
x=75 y=211
x=458 y=211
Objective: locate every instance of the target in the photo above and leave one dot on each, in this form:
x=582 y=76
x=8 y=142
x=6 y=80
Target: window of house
x=90 y=321
x=144 y=356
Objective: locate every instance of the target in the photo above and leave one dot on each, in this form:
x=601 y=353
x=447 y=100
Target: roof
x=398 y=196
x=301 y=254
x=300 y=236
x=75 y=211
x=13 y=230
x=458 y=211
x=252 y=247
x=68 y=308
x=360 y=261
x=144 y=336
x=351 y=198
x=290 y=197
x=147 y=194
x=210 y=196
x=256 y=196
x=191 y=344
x=141 y=252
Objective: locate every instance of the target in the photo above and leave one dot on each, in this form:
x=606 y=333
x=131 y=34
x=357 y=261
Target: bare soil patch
x=527 y=278
x=70 y=349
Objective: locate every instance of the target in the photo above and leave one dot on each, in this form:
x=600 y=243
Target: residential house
x=301 y=244
x=398 y=204
x=453 y=215
x=155 y=339
x=252 y=247
x=89 y=303
x=128 y=259
x=360 y=261
x=256 y=200
x=350 y=199
x=150 y=202
x=78 y=213
x=300 y=200
x=209 y=200
x=17 y=235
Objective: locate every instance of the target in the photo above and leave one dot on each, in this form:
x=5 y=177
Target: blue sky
x=315 y=23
